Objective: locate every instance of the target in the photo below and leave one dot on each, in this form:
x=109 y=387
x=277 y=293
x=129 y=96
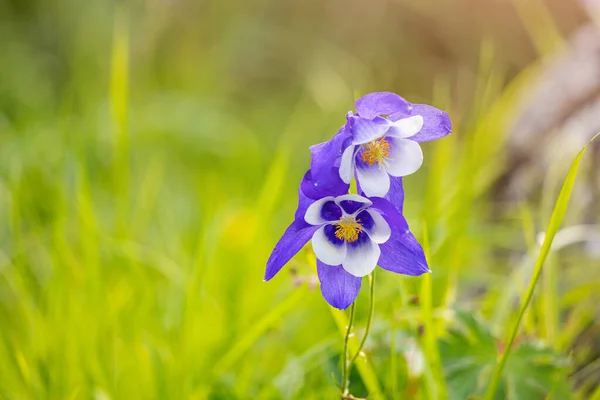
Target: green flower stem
x=347 y=367
x=369 y=319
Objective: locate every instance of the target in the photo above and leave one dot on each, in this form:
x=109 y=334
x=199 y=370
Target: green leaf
x=469 y=354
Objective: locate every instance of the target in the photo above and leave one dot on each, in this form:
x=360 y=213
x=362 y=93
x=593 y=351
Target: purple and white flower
x=379 y=144
x=350 y=236
x=349 y=232
x=353 y=233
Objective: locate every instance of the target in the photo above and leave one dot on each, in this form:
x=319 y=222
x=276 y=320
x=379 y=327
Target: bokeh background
x=150 y=153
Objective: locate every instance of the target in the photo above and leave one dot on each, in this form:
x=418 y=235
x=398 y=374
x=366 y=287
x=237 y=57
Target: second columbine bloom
x=349 y=232
x=350 y=236
x=380 y=148
x=379 y=144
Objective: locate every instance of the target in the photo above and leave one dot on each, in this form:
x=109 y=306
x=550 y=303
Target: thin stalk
x=348 y=367
x=369 y=319
x=345 y=353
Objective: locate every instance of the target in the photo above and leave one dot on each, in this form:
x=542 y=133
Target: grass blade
x=119 y=97
x=434 y=378
x=556 y=219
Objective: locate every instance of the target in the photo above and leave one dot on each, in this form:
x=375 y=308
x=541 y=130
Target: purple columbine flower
x=350 y=236
x=379 y=144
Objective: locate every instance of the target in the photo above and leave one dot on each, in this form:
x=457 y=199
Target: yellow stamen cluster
x=348 y=228
x=375 y=151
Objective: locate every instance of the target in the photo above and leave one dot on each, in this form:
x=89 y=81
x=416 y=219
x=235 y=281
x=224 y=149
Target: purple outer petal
x=396 y=193
x=390 y=213
x=338 y=287
x=303 y=201
x=402 y=253
x=436 y=123
x=314 y=190
x=292 y=241
x=323 y=166
x=378 y=103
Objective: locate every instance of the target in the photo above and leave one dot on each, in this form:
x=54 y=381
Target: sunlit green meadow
x=150 y=154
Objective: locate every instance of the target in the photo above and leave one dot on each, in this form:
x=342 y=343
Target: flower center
x=375 y=151
x=348 y=228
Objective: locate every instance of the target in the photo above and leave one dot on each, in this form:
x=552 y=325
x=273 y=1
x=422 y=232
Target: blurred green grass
x=149 y=162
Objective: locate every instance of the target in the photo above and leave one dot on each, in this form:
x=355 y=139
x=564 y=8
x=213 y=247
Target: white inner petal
x=362 y=259
x=326 y=251
x=380 y=232
x=374 y=181
x=365 y=130
x=347 y=164
x=407 y=127
x=405 y=157
x=313 y=212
